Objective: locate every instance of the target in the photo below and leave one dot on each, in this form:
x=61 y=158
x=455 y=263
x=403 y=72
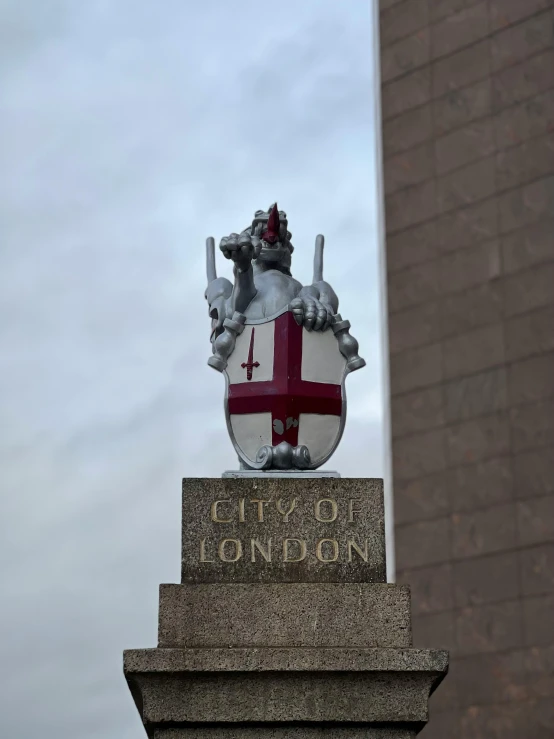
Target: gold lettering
x=221 y=550
x=203 y=551
x=283 y=512
x=256 y=544
x=334 y=510
x=213 y=512
x=286 y=555
x=260 y=503
x=241 y=510
x=351 y=544
x=319 y=547
x=352 y=510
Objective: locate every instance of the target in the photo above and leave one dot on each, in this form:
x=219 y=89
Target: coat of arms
x=284 y=350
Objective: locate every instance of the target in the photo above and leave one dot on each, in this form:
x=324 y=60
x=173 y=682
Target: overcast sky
x=130 y=131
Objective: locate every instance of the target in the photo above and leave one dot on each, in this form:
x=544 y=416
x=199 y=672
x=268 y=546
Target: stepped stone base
x=322 y=686
x=307 y=659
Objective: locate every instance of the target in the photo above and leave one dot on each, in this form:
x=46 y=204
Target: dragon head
x=272 y=239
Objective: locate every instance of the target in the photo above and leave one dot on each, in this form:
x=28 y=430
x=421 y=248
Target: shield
x=285 y=384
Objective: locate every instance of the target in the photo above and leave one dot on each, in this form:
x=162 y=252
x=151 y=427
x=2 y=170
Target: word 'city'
x=291 y=549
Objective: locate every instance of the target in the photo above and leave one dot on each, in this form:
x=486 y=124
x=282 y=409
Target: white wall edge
x=380 y=224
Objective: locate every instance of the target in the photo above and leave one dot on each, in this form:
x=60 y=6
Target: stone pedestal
x=283 y=625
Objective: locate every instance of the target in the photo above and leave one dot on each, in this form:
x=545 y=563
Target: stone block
x=489 y=628
x=535 y=520
x=473 y=352
x=514 y=720
x=442 y=724
x=531 y=379
x=432 y=588
x=415 y=368
x=221 y=615
x=435 y=628
x=507 y=12
x=530 y=334
x=420 y=499
x=476 y=395
x=466 y=186
x=414 y=286
x=529 y=289
x=484 y=532
x=525 y=80
x=439 y=9
x=460 y=106
x=409 y=168
x=419 y=455
x=521 y=41
x=538 y=617
x=492 y=678
x=407 y=130
x=471 y=309
x=423 y=543
x=539 y=667
x=468 y=226
x=532 y=425
x=534 y=473
x=410 y=206
x=526 y=205
x=474 y=486
x=277 y=530
x=528 y=246
x=537 y=569
x=461 y=69
x=466 y=268
x=524 y=121
x=386 y=4
x=405 y=55
x=478 y=439
x=403 y=20
x=411 y=247
x=525 y=162
x=464 y=145
x=417 y=411
x=406 y=92
x=180 y=688
x=456 y=30
x=482 y=580
x=414 y=327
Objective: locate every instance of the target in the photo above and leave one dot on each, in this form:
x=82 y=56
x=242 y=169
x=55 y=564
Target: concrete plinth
x=304 y=649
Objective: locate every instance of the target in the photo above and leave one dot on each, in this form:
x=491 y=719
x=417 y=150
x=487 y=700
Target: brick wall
x=468 y=146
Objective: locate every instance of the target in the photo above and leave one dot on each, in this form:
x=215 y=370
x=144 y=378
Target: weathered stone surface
x=284 y=615
x=283 y=530
x=284 y=659
x=314 y=697
x=378 y=686
x=291 y=732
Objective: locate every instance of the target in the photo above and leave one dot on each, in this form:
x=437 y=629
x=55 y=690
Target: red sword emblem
x=250 y=364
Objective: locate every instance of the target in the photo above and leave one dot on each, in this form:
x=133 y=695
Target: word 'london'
x=289 y=549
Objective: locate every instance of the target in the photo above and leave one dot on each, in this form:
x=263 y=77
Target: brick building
x=467 y=103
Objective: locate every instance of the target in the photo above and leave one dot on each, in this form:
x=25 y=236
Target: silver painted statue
x=283 y=347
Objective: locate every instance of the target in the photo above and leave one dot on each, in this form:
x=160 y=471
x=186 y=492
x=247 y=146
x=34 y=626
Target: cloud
x=130 y=132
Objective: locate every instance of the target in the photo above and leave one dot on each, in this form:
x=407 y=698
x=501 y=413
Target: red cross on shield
x=285 y=383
